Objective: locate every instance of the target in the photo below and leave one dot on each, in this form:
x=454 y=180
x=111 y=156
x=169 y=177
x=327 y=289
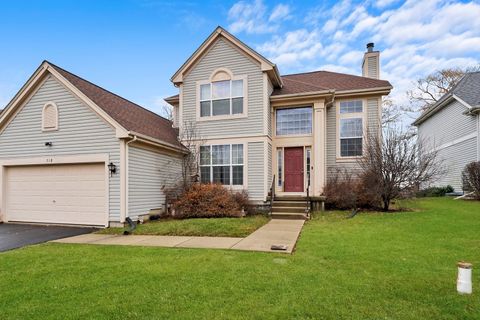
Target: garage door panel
x=73 y=194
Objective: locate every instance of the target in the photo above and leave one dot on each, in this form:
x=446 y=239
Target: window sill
x=225 y=117
x=293 y=136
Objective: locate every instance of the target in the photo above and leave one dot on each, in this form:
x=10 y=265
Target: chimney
x=371 y=62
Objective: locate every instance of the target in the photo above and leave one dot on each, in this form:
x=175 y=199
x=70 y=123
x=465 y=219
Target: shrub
x=343 y=191
x=207 y=201
x=435 y=191
x=471 y=179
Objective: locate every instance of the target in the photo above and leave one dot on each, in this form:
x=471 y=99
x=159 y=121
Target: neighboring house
x=74 y=153
x=255 y=124
x=452 y=127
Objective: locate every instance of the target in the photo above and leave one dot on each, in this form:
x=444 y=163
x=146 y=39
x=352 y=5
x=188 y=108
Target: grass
x=374 y=266
x=215 y=227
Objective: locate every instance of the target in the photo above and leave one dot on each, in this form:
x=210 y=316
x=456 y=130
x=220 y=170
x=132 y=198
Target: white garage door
x=68 y=194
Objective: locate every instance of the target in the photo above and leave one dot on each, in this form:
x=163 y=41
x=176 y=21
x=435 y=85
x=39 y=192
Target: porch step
x=289 y=216
x=290 y=198
x=276 y=209
x=295 y=204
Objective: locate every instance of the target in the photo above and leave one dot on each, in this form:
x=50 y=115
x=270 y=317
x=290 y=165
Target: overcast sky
x=133 y=47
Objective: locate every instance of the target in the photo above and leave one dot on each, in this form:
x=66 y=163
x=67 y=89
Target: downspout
x=126 y=176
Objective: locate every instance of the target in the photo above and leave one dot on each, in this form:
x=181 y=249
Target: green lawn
x=214 y=227
x=374 y=266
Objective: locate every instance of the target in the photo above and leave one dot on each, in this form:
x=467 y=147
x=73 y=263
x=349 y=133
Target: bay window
x=221 y=98
x=222 y=164
x=351 y=128
x=293 y=121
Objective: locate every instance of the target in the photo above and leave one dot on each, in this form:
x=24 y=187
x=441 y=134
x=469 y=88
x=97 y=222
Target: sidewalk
x=275 y=232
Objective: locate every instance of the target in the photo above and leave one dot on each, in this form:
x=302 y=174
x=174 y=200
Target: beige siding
x=447 y=125
x=223 y=55
x=269 y=164
x=80 y=131
x=149 y=172
x=269 y=108
x=373 y=67
x=373 y=125
x=256 y=167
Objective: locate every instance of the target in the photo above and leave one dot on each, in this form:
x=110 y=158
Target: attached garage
x=74 y=153
x=66 y=194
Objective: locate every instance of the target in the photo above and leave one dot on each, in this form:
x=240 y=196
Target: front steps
x=290 y=207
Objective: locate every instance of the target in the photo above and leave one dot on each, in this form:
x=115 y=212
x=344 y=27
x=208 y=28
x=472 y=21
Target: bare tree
x=396 y=163
x=429 y=89
x=166 y=111
x=391 y=112
x=191 y=139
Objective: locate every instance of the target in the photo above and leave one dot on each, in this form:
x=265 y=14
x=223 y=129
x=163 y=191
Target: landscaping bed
x=200 y=227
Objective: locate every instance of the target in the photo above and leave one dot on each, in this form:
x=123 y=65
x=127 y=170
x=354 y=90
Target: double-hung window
x=294 y=121
x=221 y=98
x=351 y=128
x=222 y=164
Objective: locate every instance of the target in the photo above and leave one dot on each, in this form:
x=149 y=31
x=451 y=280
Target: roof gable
x=466 y=91
x=127 y=117
x=266 y=65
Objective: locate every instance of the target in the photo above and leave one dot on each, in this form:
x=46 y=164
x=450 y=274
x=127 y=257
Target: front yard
x=388 y=266
x=201 y=227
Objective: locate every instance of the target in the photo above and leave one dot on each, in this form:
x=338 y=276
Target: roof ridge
x=326 y=71
x=108 y=91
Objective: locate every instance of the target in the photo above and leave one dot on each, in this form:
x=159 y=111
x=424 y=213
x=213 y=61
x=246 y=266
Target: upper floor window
x=222 y=96
x=50 y=117
x=294 y=121
x=351 y=128
x=222 y=164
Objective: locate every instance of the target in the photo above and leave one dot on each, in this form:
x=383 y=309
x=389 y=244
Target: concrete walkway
x=275 y=232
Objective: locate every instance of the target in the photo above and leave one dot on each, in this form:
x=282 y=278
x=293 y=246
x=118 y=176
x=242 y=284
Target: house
x=452 y=127
x=74 y=153
x=259 y=128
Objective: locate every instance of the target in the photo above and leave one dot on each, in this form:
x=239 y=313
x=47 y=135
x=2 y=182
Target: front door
x=293 y=169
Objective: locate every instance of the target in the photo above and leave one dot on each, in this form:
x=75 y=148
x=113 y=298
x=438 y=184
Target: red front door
x=293 y=169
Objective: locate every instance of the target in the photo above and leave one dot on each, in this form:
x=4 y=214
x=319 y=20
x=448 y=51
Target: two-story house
x=258 y=127
x=452 y=127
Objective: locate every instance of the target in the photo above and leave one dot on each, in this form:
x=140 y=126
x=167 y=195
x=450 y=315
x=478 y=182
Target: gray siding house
x=73 y=153
x=258 y=128
x=452 y=127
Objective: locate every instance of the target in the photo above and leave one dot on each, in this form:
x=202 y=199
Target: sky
x=133 y=47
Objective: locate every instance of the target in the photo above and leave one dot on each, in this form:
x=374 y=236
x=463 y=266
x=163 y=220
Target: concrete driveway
x=19 y=235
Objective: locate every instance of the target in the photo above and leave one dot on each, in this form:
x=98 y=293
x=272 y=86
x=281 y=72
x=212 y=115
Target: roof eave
x=157 y=142
x=314 y=94
x=433 y=110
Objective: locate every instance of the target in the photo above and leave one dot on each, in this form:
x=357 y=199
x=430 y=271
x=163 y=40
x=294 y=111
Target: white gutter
x=156 y=142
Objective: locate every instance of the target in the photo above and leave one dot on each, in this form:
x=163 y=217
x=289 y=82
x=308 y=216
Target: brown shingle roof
x=326 y=80
x=128 y=114
x=322 y=80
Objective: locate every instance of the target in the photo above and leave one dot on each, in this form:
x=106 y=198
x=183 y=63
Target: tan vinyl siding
x=373 y=125
x=224 y=55
x=149 y=172
x=80 y=131
x=373 y=67
x=455 y=158
x=269 y=108
x=447 y=125
x=256 y=167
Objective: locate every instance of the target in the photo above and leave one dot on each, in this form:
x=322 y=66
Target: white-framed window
x=351 y=120
x=221 y=98
x=50 y=117
x=293 y=121
x=308 y=164
x=222 y=164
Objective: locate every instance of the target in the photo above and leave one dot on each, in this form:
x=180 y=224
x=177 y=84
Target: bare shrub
x=471 y=179
x=347 y=190
x=207 y=201
x=397 y=163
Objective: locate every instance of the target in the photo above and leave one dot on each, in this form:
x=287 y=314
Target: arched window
x=50 y=117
